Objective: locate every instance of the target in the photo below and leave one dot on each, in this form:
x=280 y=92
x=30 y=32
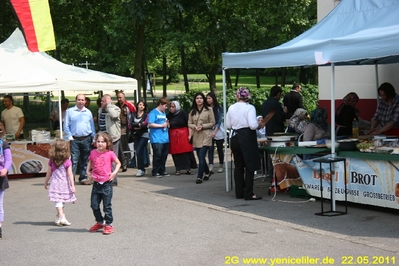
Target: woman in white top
x=241 y=119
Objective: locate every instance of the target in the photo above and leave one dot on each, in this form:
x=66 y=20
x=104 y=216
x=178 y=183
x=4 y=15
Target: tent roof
x=354 y=32
x=25 y=71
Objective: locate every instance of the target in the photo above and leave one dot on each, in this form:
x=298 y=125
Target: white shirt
x=241 y=115
x=11 y=119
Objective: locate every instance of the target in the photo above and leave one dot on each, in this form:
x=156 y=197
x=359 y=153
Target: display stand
x=332 y=211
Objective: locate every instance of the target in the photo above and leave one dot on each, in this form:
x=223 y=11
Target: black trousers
x=243 y=184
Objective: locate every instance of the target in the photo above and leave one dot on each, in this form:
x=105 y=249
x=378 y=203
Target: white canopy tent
x=23 y=71
x=356 y=32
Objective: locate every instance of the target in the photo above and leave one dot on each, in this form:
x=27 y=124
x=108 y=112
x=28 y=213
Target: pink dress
x=60 y=189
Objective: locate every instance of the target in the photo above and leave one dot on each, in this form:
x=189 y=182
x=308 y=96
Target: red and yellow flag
x=35 y=19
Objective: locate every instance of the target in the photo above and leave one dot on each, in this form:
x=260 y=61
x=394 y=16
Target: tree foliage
x=132 y=37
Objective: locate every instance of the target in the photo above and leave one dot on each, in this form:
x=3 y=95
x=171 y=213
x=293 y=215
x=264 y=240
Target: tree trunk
x=237 y=76
x=257 y=78
x=138 y=63
x=183 y=57
x=212 y=79
x=228 y=79
x=303 y=75
x=283 y=76
x=183 y=67
x=164 y=75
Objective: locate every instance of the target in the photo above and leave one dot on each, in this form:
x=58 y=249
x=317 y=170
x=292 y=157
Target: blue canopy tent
x=355 y=32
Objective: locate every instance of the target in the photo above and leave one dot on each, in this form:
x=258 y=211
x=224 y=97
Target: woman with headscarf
x=241 y=119
x=318 y=128
x=346 y=113
x=298 y=121
x=179 y=145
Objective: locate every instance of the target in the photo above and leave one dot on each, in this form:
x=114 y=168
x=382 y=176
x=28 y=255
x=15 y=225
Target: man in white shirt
x=13 y=117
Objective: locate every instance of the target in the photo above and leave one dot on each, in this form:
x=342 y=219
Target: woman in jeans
x=200 y=121
x=217 y=132
x=140 y=135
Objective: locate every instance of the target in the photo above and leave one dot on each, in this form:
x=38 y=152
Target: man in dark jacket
x=272 y=104
x=293 y=100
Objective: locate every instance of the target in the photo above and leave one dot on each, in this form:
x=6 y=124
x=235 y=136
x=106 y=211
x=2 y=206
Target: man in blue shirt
x=80 y=130
x=159 y=137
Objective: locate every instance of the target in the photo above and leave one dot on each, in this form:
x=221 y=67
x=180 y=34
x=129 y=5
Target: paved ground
x=173 y=221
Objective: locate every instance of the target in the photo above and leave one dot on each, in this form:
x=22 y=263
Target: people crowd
x=97 y=147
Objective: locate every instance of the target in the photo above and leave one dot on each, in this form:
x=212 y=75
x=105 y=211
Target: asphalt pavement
x=173 y=221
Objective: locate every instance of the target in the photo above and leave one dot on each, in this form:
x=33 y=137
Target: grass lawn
x=200 y=82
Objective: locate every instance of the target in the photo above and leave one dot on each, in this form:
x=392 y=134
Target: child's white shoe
x=64 y=221
x=57 y=221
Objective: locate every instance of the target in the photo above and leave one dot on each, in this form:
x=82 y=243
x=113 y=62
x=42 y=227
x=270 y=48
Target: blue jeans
x=160 y=154
x=140 y=145
x=102 y=192
x=80 y=151
x=202 y=165
x=133 y=161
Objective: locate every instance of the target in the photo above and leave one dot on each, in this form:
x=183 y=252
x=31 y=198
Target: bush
x=258 y=96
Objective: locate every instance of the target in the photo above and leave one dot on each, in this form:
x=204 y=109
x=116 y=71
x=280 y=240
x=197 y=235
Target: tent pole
x=377 y=81
x=333 y=109
x=226 y=164
x=332 y=170
x=60 y=114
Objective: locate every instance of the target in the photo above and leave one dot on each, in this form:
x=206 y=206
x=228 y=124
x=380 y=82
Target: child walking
x=100 y=165
x=5 y=165
x=59 y=174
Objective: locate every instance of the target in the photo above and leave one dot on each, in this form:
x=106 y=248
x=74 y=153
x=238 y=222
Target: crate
x=299 y=192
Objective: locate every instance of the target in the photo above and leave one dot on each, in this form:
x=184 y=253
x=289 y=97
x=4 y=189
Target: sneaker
x=165 y=174
x=211 y=168
x=157 y=175
x=96 y=227
x=140 y=173
x=108 y=229
x=64 y=221
x=221 y=168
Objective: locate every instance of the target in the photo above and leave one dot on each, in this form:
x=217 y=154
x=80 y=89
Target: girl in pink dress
x=62 y=186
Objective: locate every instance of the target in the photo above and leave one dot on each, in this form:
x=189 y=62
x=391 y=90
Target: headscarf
x=318 y=117
x=350 y=99
x=297 y=121
x=178 y=108
x=243 y=94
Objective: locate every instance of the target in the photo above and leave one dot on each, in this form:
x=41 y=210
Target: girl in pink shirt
x=99 y=169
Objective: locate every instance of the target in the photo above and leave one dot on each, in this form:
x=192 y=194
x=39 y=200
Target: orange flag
x=35 y=18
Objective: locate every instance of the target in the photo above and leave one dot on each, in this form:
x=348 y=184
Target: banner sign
x=368 y=181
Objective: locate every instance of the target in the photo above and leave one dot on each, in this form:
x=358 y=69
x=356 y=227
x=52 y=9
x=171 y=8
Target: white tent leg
x=226 y=165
